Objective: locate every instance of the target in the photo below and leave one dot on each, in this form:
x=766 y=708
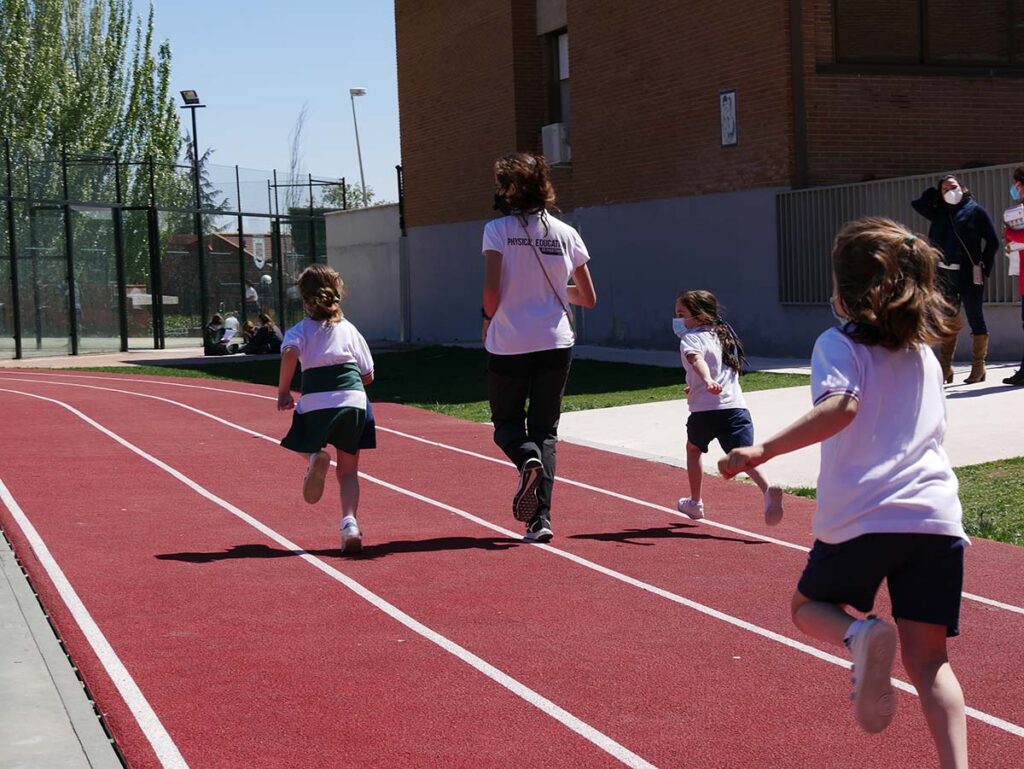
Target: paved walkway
x=48 y=720
x=981 y=429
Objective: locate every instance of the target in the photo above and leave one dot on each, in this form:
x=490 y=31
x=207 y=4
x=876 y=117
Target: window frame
x=924 y=64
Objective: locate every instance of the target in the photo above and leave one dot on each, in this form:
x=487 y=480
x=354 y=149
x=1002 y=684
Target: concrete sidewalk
x=986 y=422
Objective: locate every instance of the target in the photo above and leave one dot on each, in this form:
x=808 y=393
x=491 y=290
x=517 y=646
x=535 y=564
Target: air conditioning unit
x=555 y=139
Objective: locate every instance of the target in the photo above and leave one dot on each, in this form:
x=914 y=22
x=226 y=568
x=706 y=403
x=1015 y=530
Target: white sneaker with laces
x=691 y=508
x=874 y=649
x=351 y=539
x=773 y=505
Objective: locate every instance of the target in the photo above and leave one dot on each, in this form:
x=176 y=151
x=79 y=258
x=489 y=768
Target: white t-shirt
x=705 y=343
x=320 y=343
x=529 y=316
x=885 y=472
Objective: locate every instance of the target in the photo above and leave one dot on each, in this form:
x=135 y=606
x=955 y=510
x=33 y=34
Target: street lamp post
x=353 y=93
x=191 y=99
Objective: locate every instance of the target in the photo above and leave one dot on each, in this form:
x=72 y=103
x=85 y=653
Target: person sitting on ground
x=213 y=336
x=267 y=338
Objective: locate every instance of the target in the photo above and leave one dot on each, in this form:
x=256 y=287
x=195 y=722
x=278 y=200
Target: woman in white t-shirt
x=336 y=366
x=888 y=505
x=713 y=359
x=529 y=259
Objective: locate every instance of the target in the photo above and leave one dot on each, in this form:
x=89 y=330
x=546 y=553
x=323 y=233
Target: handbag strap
x=540 y=263
x=967 y=251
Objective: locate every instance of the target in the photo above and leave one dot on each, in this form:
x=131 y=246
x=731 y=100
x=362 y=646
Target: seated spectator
x=267 y=339
x=213 y=336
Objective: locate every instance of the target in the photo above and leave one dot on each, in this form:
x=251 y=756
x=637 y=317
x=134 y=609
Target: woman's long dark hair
x=704 y=307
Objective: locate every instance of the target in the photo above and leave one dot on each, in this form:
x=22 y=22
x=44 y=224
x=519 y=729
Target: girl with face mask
x=713 y=359
x=1014 y=236
x=963 y=233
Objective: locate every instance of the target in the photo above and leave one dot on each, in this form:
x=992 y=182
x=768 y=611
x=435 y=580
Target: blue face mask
x=835 y=313
x=679 y=326
x=1015 y=193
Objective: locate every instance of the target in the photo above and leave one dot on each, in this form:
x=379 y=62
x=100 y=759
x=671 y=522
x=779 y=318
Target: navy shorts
x=925 y=573
x=732 y=428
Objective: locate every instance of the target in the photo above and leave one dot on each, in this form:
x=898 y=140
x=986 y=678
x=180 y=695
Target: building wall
x=466 y=84
x=363 y=245
x=642 y=255
x=644 y=80
x=866 y=126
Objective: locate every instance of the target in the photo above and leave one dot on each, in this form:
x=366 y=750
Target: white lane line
x=980 y=715
x=161 y=742
x=546 y=706
x=561 y=479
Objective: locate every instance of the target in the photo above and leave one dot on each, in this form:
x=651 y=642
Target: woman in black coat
x=963 y=231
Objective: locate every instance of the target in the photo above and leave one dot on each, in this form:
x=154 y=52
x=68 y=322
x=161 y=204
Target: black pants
x=958 y=287
x=523 y=432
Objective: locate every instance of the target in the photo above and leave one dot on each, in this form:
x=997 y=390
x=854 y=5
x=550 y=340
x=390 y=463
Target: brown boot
x=978 y=355
x=946 y=352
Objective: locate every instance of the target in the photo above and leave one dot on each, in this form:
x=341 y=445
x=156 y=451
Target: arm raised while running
x=823 y=421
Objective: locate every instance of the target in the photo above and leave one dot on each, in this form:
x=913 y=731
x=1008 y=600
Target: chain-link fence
x=100 y=253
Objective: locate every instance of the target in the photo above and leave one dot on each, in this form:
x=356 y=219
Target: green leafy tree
x=350 y=196
x=82 y=77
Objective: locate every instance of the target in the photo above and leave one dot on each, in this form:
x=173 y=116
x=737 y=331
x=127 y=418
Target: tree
x=81 y=77
x=351 y=196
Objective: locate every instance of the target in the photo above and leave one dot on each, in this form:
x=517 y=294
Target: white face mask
x=953 y=196
x=679 y=326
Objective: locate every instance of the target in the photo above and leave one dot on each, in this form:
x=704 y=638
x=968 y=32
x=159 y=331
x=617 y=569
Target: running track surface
x=217 y=625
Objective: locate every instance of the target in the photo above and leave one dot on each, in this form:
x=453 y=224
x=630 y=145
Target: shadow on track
x=369 y=551
x=675 y=531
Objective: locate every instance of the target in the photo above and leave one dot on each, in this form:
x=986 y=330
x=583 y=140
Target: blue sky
x=255 y=63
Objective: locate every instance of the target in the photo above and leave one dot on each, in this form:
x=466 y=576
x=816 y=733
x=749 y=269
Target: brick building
x=677 y=124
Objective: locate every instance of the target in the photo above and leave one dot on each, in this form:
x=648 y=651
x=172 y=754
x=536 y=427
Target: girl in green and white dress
x=336 y=364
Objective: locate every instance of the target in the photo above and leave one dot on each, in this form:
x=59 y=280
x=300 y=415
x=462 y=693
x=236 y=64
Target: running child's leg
x=872 y=644
x=773 y=509
x=348 y=480
x=691 y=506
x=694 y=470
x=924 y=656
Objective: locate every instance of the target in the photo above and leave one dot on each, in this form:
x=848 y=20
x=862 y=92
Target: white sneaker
x=313 y=485
x=691 y=508
x=773 y=505
x=351 y=539
x=873 y=648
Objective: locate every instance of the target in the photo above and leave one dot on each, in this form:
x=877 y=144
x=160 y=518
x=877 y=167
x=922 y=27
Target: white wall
x=363 y=245
x=642 y=256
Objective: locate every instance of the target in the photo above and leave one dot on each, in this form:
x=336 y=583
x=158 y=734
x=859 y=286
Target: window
x=988 y=33
x=559 y=78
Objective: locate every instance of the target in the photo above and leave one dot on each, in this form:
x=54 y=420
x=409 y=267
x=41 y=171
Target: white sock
x=348 y=520
x=851 y=631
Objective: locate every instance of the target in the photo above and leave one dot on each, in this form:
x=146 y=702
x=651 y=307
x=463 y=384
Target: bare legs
x=923 y=648
x=348 y=480
x=924 y=657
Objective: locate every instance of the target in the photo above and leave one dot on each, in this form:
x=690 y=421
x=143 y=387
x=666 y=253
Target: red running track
x=246 y=639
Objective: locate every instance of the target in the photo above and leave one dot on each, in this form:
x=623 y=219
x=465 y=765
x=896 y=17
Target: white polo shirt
x=530 y=317
x=705 y=344
x=320 y=343
x=885 y=472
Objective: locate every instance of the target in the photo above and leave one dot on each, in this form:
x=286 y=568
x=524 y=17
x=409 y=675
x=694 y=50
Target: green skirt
x=312 y=430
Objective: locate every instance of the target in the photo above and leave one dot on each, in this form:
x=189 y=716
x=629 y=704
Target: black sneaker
x=1016 y=379
x=524 y=503
x=539 y=530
